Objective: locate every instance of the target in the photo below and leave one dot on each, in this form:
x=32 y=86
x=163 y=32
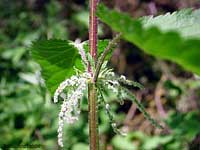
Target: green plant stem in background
x=92 y=93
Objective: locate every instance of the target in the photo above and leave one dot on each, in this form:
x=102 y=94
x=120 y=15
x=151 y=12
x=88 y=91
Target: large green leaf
x=174 y=37
x=56 y=58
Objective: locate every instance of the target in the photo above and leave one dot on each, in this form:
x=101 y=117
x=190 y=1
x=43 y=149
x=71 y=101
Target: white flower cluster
x=112 y=85
x=71 y=82
x=68 y=82
x=69 y=110
x=110 y=82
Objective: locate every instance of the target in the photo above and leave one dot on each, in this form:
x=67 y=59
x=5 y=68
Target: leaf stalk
x=110 y=46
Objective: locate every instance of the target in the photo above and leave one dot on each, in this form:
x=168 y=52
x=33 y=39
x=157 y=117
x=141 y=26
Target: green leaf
x=184 y=124
x=57 y=59
x=120 y=142
x=174 y=37
x=155 y=141
x=81 y=146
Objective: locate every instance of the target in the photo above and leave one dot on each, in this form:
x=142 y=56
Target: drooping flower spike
x=69 y=110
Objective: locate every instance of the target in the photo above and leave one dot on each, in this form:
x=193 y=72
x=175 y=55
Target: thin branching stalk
x=110 y=46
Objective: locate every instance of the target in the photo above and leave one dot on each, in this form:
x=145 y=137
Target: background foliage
x=172 y=36
x=27 y=114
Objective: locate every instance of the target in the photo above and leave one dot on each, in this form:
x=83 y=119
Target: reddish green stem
x=93 y=117
x=92 y=93
x=93 y=29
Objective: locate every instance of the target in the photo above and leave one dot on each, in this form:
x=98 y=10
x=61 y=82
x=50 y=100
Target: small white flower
x=78 y=112
x=107 y=106
x=114 y=125
x=112 y=74
x=112 y=88
x=60 y=142
x=122 y=77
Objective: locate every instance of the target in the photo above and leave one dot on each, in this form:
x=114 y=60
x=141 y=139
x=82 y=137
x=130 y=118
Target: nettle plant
x=73 y=69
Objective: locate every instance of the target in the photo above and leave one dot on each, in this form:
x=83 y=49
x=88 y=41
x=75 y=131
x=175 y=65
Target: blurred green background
x=29 y=117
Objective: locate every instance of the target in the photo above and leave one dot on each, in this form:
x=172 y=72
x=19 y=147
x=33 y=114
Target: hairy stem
x=110 y=46
x=92 y=92
x=93 y=29
x=93 y=117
